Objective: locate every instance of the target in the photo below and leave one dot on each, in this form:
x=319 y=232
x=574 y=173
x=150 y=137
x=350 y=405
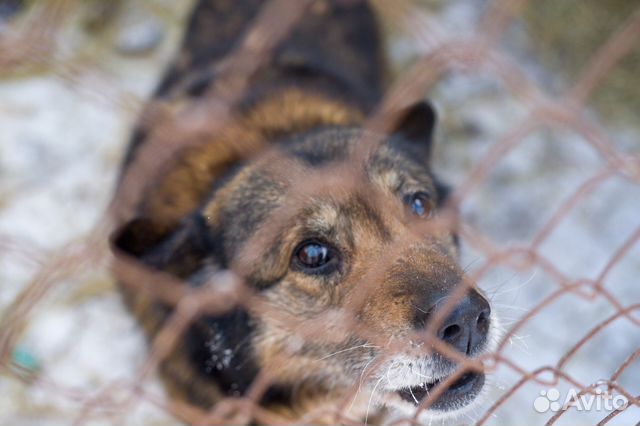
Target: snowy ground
x=62 y=142
x=60 y=146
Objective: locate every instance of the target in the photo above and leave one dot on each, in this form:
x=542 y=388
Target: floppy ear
x=209 y=340
x=179 y=250
x=416 y=124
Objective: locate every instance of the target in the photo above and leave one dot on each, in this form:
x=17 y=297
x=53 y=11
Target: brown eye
x=313 y=255
x=420 y=204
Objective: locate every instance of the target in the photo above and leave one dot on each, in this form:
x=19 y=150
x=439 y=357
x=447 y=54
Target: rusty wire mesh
x=479 y=53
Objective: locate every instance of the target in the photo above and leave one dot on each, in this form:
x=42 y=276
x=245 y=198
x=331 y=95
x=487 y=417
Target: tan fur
x=286 y=112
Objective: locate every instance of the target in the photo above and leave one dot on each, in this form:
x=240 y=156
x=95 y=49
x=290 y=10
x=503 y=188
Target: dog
x=328 y=226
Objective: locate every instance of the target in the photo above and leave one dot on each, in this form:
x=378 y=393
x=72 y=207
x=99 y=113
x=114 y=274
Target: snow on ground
x=60 y=147
x=62 y=141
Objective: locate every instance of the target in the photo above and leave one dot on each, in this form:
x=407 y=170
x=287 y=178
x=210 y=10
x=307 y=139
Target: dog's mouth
x=455 y=396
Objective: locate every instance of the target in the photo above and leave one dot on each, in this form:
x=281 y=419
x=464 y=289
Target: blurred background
x=74 y=75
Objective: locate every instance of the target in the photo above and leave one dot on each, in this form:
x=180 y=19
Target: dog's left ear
x=178 y=250
x=416 y=124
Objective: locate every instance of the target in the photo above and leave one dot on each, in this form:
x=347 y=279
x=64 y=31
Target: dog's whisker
x=515 y=341
x=353 y=400
x=413 y=396
x=516 y=288
x=373 y=391
x=347 y=350
x=469 y=417
x=466 y=268
x=510 y=320
x=418 y=308
x=507 y=306
x=493 y=291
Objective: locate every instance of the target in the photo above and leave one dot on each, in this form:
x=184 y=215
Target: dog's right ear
x=178 y=250
x=416 y=125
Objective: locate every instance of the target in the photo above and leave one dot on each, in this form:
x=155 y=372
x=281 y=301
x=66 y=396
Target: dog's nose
x=467 y=327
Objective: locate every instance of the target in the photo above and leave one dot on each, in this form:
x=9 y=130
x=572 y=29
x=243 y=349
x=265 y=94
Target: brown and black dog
x=326 y=229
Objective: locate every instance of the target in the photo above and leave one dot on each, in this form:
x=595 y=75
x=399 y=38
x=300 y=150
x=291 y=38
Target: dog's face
x=342 y=248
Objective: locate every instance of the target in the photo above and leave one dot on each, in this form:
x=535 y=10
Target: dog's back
x=334 y=50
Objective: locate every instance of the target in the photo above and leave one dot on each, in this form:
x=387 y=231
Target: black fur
x=344 y=62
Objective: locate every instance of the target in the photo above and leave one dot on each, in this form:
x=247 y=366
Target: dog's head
x=340 y=240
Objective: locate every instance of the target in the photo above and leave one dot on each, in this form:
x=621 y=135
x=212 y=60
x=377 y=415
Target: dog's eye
x=315 y=257
x=312 y=255
x=420 y=204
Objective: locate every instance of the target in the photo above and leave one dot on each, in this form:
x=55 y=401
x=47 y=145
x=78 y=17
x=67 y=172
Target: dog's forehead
x=322 y=148
x=340 y=157
x=315 y=181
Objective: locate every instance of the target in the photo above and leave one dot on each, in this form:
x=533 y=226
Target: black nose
x=467 y=326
